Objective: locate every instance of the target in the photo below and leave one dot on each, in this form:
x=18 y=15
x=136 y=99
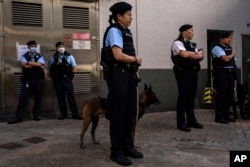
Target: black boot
x=15 y=120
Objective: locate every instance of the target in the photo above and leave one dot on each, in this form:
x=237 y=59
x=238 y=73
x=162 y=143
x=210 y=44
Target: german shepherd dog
x=95 y=108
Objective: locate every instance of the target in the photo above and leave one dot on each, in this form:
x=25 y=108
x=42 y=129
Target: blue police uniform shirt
x=218 y=52
x=70 y=59
x=32 y=56
x=114 y=38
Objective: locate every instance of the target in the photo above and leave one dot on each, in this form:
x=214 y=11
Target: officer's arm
x=74 y=69
x=38 y=64
x=72 y=61
x=180 y=50
x=26 y=65
x=24 y=62
x=201 y=51
x=192 y=55
x=120 y=56
x=228 y=57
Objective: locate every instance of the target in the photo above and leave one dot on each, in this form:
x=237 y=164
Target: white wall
x=156 y=22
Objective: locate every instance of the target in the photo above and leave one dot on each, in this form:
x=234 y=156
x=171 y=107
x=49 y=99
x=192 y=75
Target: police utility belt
x=221 y=69
x=124 y=66
x=191 y=68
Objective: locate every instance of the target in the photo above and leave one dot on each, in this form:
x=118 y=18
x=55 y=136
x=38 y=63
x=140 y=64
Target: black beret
x=185 y=27
x=59 y=43
x=32 y=42
x=225 y=35
x=120 y=8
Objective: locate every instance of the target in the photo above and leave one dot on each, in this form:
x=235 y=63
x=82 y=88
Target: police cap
x=32 y=42
x=59 y=43
x=185 y=27
x=225 y=35
x=120 y=8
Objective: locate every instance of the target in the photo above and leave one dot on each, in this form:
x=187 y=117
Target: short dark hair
x=58 y=44
x=32 y=42
x=225 y=35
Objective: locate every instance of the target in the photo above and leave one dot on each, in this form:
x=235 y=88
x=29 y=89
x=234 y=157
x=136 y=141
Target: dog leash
x=137 y=102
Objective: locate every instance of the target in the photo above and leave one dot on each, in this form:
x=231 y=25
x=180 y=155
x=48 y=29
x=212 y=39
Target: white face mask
x=33 y=49
x=61 y=50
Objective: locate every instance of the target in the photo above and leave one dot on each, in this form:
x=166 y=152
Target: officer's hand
x=27 y=66
x=196 y=56
x=201 y=51
x=139 y=60
x=233 y=52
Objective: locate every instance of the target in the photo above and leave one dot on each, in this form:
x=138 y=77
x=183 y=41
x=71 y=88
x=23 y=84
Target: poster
x=22 y=49
x=81 y=44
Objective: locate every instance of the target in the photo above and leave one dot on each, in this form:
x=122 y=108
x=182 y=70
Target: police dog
x=95 y=108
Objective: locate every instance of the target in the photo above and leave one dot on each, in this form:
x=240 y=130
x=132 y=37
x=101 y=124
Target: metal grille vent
x=17 y=83
x=75 y=17
x=82 y=83
x=27 y=14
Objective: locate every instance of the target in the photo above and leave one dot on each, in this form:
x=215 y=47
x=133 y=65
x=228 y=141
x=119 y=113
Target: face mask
x=61 y=50
x=33 y=49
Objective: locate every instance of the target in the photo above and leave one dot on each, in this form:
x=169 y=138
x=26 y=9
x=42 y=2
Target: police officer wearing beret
x=62 y=68
x=123 y=85
x=32 y=82
x=186 y=58
x=224 y=76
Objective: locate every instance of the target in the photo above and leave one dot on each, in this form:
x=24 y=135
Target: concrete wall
x=164 y=84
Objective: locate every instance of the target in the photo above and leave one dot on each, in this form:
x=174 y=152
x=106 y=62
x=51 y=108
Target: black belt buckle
x=122 y=67
x=127 y=65
x=230 y=69
x=225 y=69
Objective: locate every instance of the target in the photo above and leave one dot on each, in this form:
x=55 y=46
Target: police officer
x=186 y=58
x=62 y=68
x=32 y=82
x=224 y=68
x=123 y=84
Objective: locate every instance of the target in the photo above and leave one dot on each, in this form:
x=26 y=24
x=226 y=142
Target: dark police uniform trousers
x=187 y=80
x=32 y=87
x=123 y=102
x=224 y=84
x=65 y=86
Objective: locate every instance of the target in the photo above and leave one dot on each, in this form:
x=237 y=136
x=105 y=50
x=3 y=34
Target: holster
x=177 y=69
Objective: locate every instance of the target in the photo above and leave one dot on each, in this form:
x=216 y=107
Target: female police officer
x=122 y=87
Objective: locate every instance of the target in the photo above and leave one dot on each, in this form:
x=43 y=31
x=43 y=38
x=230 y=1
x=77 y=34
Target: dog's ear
x=150 y=87
x=145 y=87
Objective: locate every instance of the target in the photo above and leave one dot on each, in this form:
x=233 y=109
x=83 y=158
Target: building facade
x=81 y=25
x=155 y=26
